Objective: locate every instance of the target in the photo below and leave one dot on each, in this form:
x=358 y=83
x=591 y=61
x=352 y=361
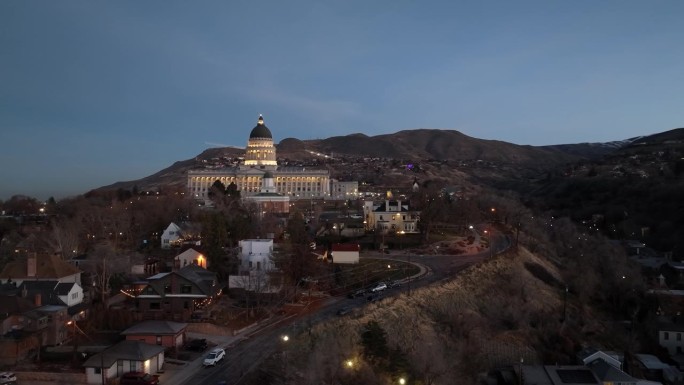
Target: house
x=344 y=190
x=390 y=216
x=609 y=374
x=53 y=292
x=126 y=356
x=558 y=375
x=174 y=295
x=168 y=334
x=650 y=366
x=591 y=354
x=190 y=257
x=22 y=329
x=347 y=253
x=40 y=267
x=256 y=254
x=670 y=336
x=176 y=235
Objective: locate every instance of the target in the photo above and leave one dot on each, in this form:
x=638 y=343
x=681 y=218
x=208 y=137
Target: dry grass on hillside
x=490 y=315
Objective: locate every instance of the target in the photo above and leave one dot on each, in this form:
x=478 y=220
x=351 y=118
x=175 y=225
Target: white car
x=7 y=377
x=214 y=356
x=379 y=287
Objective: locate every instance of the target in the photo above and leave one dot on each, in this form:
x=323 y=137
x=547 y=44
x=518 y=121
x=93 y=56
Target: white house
x=670 y=337
x=344 y=190
x=126 y=356
x=256 y=254
x=190 y=257
x=71 y=293
x=177 y=234
x=390 y=216
x=347 y=253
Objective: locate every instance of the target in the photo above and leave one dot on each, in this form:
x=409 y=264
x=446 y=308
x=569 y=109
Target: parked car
x=214 y=357
x=139 y=378
x=379 y=287
x=198 y=345
x=7 y=377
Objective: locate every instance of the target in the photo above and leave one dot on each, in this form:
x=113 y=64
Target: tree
x=374 y=341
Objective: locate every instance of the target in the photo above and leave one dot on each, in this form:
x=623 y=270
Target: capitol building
x=260 y=160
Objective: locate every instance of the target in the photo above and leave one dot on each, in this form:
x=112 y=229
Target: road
x=247 y=355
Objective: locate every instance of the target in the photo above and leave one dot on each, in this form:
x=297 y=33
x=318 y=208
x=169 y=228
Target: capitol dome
x=260 y=131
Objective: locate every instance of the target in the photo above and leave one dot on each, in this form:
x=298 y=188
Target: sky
x=95 y=92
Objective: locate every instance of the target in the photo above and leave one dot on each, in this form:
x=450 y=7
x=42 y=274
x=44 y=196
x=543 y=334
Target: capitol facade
x=260 y=159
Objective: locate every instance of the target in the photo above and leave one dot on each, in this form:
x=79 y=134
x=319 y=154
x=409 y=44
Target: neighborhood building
x=168 y=334
x=346 y=253
x=190 y=257
x=176 y=235
x=390 y=216
x=256 y=254
x=174 y=295
x=126 y=356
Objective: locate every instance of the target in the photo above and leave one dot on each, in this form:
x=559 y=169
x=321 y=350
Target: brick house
x=174 y=295
x=168 y=334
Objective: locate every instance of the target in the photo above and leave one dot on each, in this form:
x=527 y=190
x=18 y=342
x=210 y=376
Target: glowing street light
x=285 y=338
x=402 y=381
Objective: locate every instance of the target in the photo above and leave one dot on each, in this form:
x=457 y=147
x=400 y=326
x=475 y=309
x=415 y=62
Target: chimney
x=37 y=299
x=31 y=265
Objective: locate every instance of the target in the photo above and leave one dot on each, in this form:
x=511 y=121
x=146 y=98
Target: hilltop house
x=176 y=235
x=390 y=216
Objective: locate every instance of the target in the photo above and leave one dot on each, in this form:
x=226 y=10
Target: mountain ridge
x=411 y=145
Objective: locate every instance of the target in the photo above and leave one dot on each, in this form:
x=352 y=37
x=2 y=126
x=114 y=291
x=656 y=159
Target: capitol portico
x=260 y=158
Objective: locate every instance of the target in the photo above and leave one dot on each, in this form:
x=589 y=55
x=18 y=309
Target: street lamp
x=402 y=381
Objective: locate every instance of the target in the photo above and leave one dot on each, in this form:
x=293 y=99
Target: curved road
x=247 y=355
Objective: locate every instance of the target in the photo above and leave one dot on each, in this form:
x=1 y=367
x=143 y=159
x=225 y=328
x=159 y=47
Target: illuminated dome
x=260 y=131
x=260 y=152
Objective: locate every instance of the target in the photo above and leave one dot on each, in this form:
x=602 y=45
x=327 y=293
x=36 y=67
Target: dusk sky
x=95 y=92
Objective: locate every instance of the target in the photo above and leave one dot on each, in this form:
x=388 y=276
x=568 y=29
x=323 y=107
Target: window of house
x=98 y=370
x=666 y=336
x=159 y=340
x=258 y=265
x=679 y=336
x=155 y=306
x=119 y=367
x=186 y=289
x=134 y=366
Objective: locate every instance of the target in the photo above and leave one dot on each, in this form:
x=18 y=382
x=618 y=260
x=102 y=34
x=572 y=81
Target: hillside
x=490 y=316
x=439 y=147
